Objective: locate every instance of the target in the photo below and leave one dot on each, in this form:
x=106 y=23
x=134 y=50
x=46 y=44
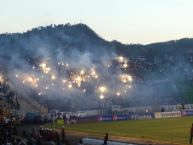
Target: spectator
x=191 y=133
x=51 y=143
x=66 y=143
x=63 y=134
x=106 y=138
x=80 y=142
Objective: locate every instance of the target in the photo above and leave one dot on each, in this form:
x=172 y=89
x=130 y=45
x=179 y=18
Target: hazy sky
x=128 y=21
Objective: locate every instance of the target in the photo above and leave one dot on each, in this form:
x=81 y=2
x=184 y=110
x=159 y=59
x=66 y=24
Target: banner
x=119 y=117
x=187 y=113
x=141 y=116
x=105 y=118
x=167 y=114
x=132 y=116
x=87 y=119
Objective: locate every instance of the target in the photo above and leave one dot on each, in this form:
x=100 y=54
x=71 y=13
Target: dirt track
x=74 y=136
x=142 y=141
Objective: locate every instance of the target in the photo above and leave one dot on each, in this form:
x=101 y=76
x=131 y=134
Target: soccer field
x=168 y=130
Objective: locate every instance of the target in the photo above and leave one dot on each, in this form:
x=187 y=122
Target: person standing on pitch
x=63 y=134
x=191 y=133
x=106 y=138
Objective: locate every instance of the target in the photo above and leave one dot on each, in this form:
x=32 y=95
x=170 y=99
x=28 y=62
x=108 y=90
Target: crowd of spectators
x=10 y=135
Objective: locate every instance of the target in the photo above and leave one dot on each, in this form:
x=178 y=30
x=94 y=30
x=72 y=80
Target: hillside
x=36 y=63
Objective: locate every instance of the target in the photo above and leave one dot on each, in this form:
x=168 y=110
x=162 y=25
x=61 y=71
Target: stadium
x=82 y=83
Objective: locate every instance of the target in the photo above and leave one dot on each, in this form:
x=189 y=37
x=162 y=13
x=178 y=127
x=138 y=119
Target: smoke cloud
x=77 y=70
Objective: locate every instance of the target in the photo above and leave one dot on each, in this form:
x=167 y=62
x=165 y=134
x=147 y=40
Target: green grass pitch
x=167 y=130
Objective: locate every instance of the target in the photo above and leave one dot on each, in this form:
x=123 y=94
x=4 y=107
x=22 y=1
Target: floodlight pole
x=53 y=122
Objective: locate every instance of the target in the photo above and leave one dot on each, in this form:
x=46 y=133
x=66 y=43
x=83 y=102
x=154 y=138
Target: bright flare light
x=78 y=80
x=101 y=97
x=64 y=81
x=118 y=93
x=30 y=79
x=125 y=78
x=120 y=59
x=70 y=86
x=82 y=72
x=102 y=89
x=94 y=74
x=84 y=90
x=44 y=68
x=1 y=79
x=46 y=88
x=53 y=77
x=125 y=65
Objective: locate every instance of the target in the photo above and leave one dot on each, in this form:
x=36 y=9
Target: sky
x=128 y=21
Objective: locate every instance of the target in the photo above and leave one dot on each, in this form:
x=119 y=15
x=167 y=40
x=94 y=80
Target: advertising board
x=119 y=117
x=167 y=114
x=187 y=113
x=105 y=118
x=139 y=116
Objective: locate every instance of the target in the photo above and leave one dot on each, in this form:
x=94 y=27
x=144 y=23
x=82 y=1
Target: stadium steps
x=30 y=105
